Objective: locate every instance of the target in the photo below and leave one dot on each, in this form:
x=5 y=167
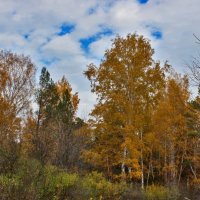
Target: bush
x=155 y=192
x=32 y=181
x=29 y=171
x=9 y=187
x=95 y=186
x=21 y=184
x=57 y=184
x=131 y=191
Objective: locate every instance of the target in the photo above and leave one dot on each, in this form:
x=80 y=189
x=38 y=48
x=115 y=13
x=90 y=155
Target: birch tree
x=128 y=84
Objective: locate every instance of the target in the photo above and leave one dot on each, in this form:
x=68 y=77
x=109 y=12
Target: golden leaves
x=62 y=87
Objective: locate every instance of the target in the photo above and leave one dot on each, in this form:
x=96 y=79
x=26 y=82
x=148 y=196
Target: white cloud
x=61 y=46
x=98 y=48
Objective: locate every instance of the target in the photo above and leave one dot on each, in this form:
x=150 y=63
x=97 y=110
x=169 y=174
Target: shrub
x=32 y=181
x=21 y=184
x=131 y=191
x=57 y=184
x=9 y=187
x=95 y=186
x=155 y=192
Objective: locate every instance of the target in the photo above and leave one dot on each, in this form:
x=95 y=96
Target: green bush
x=29 y=171
x=32 y=181
x=131 y=191
x=9 y=187
x=22 y=184
x=156 y=192
x=95 y=186
x=57 y=184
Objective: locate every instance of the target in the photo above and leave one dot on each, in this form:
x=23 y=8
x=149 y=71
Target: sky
x=67 y=35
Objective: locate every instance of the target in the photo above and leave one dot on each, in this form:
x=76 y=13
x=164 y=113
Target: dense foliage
x=141 y=141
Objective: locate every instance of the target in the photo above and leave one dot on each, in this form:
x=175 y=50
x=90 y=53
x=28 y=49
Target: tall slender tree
x=16 y=89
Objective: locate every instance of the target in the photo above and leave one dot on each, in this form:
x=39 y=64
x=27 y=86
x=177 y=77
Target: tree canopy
x=143 y=130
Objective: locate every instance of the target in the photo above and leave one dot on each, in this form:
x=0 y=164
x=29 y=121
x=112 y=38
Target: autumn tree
x=128 y=84
x=193 y=150
x=18 y=73
x=9 y=131
x=171 y=128
x=16 y=89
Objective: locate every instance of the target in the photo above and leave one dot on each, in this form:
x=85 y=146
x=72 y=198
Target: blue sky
x=65 y=29
x=67 y=35
x=86 y=42
x=142 y=1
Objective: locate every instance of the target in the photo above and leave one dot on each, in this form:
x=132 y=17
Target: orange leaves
x=128 y=84
x=29 y=132
x=3 y=78
x=17 y=74
x=140 y=118
x=170 y=125
x=75 y=101
x=91 y=71
x=63 y=86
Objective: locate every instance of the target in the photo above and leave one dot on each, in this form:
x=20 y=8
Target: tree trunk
x=172 y=165
x=142 y=162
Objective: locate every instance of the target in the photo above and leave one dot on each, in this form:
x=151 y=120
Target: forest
x=141 y=139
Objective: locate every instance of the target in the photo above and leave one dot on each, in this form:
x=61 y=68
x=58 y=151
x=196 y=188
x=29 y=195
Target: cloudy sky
x=66 y=35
